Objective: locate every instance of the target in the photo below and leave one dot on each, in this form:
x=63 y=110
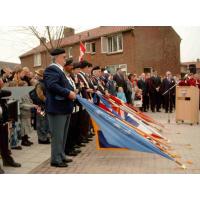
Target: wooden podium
x=187 y=104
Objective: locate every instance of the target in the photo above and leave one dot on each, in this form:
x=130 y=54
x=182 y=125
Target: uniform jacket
x=57 y=90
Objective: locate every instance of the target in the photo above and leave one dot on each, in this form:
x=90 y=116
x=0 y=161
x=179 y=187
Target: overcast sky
x=14 y=41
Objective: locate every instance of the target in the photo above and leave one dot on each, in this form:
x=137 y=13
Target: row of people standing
x=154 y=90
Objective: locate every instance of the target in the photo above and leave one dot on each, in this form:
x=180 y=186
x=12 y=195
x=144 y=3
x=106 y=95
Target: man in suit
x=167 y=83
x=59 y=106
x=154 y=92
x=119 y=79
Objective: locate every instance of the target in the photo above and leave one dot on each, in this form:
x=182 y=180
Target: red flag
x=82 y=51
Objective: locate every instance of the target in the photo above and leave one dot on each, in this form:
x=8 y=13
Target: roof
x=190 y=63
x=83 y=36
x=8 y=64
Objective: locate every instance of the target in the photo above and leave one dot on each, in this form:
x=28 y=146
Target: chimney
x=42 y=39
x=198 y=60
x=68 y=32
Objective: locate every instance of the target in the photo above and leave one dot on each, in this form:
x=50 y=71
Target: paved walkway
x=185 y=140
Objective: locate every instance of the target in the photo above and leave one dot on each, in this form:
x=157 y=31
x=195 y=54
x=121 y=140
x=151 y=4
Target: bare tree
x=53 y=35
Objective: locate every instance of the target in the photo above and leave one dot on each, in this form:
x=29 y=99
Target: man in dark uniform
x=71 y=138
x=154 y=92
x=167 y=83
x=96 y=81
x=59 y=106
x=86 y=92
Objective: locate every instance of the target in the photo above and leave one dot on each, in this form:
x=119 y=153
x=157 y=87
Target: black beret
x=84 y=64
x=69 y=62
x=96 y=68
x=76 y=65
x=57 y=51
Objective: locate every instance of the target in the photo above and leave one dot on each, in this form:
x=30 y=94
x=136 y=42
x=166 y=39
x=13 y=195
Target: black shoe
x=82 y=145
x=29 y=142
x=72 y=154
x=44 y=142
x=17 y=148
x=67 y=160
x=85 y=141
x=1 y=171
x=25 y=143
x=76 y=151
x=10 y=163
x=158 y=111
x=77 y=146
x=166 y=111
x=89 y=140
x=59 y=164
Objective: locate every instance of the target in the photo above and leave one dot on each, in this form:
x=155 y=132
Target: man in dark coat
x=154 y=92
x=167 y=83
x=59 y=106
x=119 y=79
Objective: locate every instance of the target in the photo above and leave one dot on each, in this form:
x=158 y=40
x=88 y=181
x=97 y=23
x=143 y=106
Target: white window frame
x=87 y=47
x=37 y=60
x=69 y=50
x=104 y=45
x=112 y=37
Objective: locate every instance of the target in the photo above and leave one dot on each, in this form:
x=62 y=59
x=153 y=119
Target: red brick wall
x=157 y=47
x=28 y=61
x=103 y=59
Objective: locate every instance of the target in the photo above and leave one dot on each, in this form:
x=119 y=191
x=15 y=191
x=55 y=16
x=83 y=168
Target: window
x=37 y=60
x=69 y=52
x=112 y=44
x=115 y=43
x=113 y=68
x=90 y=47
x=123 y=67
x=104 y=44
x=87 y=47
x=93 y=47
x=148 y=70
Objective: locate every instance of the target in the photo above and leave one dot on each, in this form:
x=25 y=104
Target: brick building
x=11 y=65
x=193 y=67
x=136 y=49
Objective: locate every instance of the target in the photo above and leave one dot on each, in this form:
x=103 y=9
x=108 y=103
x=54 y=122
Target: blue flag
x=118 y=134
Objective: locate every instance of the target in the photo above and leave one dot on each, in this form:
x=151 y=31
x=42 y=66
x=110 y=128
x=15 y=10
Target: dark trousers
x=84 y=123
x=58 y=125
x=155 y=100
x=5 y=153
x=145 y=105
x=72 y=133
x=168 y=100
x=128 y=95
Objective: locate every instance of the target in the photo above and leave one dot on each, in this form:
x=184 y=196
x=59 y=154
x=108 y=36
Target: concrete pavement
x=185 y=140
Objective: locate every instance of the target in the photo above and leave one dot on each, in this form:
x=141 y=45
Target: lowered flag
x=131 y=118
x=120 y=135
